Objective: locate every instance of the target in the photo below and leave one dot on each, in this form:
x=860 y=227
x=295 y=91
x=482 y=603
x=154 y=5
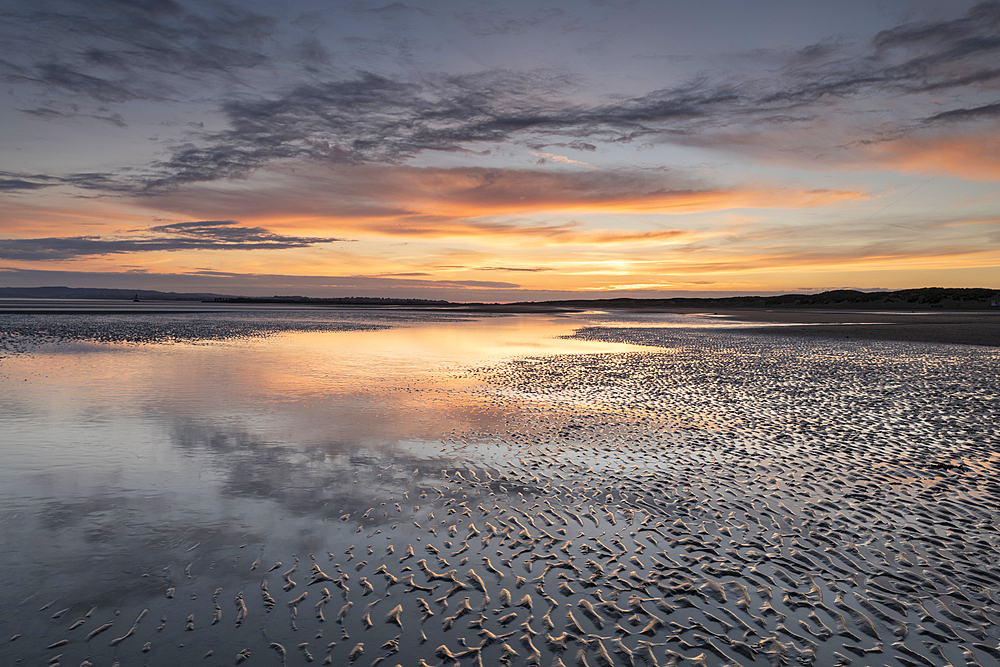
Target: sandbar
x=964 y=328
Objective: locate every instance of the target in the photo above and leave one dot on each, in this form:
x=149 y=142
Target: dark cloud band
x=204 y=235
x=120 y=51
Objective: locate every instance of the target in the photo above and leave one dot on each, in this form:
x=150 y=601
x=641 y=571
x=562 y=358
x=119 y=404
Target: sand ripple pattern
x=730 y=500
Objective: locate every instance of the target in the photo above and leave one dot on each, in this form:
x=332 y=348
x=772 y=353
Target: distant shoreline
x=934 y=315
x=925 y=298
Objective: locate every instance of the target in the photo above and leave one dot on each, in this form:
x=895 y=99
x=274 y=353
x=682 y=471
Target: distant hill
x=154 y=295
x=912 y=299
x=337 y=301
x=101 y=293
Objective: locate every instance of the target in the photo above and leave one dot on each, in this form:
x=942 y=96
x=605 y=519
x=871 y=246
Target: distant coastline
x=932 y=315
x=927 y=298
x=911 y=299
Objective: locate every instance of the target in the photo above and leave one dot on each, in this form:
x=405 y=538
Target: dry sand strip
x=964 y=328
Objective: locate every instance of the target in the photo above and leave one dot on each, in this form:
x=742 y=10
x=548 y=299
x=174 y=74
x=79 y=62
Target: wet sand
x=964 y=328
x=711 y=498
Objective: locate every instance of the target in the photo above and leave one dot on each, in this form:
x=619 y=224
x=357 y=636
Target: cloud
x=371 y=118
x=312 y=54
x=18 y=184
x=263 y=284
x=476 y=202
x=75 y=81
x=510 y=268
x=50 y=113
x=912 y=58
x=114 y=51
x=229 y=233
x=375 y=118
x=394 y=10
x=501 y=21
x=975 y=113
x=105 y=183
x=203 y=235
x=11 y=181
x=974 y=156
x=562 y=159
x=880 y=243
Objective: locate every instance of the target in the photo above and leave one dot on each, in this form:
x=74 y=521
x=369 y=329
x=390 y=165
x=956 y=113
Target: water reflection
x=116 y=453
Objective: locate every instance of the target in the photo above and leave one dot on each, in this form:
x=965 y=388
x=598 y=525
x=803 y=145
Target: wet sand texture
x=978 y=328
x=731 y=500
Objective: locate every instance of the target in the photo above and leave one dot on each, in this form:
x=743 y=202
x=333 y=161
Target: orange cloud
x=52 y=214
x=434 y=202
x=960 y=149
x=972 y=156
x=717 y=260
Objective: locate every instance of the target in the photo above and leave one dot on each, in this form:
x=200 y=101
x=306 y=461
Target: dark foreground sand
x=978 y=328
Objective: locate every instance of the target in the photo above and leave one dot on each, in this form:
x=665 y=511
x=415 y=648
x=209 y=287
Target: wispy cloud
x=8 y=184
x=13 y=182
x=974 y=156
x=562 y=159
x=480 y=202
x=116 y=52
x=202 y=235
x=256 y=283
x=50 y=113
x=975 y=113
x=113 y=51
x=375 y=118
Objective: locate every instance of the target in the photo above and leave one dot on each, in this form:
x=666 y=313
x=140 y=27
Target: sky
x=500 y=151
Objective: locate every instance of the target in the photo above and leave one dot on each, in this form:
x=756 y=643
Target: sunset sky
x=500 y=151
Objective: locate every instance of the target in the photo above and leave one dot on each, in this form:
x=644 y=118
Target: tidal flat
x=270 y=486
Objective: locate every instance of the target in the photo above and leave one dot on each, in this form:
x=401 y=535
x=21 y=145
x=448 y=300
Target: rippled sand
x=712 y=498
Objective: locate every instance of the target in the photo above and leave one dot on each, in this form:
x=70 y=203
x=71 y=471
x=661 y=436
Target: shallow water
x=754 y=493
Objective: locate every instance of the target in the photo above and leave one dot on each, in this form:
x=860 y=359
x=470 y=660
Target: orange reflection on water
x=333 y=390
x=364 y=361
